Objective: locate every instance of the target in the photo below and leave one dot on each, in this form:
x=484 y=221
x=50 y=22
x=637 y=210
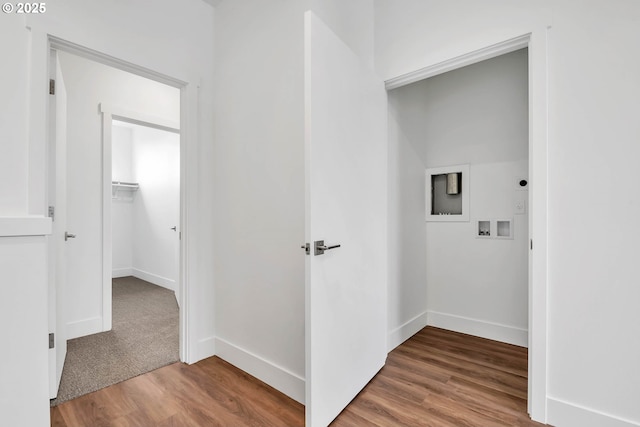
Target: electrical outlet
x=520 y=207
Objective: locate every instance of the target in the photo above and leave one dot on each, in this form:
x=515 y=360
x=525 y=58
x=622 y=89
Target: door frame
x=188 y=101
x=536 y=42
x=109 y=114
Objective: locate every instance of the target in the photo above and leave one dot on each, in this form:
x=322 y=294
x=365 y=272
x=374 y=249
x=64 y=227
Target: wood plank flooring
x=436 y=379
x=441 y=378
x=209 y=393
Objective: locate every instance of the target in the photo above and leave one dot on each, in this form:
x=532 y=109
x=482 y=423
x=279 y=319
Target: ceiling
x=213 y=3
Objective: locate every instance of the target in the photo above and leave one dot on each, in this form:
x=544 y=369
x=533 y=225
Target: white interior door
x=57 y=244
x=346 y=204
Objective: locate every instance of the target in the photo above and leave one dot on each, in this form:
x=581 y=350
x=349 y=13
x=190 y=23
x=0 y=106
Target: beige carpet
x=144 y=337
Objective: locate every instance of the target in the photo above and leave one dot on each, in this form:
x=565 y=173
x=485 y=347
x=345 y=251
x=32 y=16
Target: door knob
x=307 y=248
x=320 y=247
x=174 y=228
x=68 y=236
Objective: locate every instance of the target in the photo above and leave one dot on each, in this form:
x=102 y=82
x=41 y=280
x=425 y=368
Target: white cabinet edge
x=25 y=226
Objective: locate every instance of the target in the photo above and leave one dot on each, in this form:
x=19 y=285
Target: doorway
x=145 y=202
x=89 y=87
x=535 y=43
x=469 y=240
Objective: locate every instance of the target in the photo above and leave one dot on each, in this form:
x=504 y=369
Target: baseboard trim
x=82 y=328
x=277 y=377
x=154 y=278
x=121 y=272
x=480 y=328
x=206 y=347
x=406 y=331
x=565 y=414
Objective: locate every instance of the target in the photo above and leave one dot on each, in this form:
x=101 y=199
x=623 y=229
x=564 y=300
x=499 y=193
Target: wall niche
x=447 y=195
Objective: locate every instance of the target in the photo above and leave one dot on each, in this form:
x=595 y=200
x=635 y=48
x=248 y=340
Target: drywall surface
x=13 y=122
x=259 y=189
x=352 y=21
x=479 y=286
x=407 y=286
x=122 y=204
x=156 y=206
x=23 y=311
x=593 y=131
x=476 y=115
x=144 y=243
x=88 y=85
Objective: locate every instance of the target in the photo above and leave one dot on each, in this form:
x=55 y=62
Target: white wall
x=144 y=245
x=156 y=206
x=88 y=85
x=13 y=121
x=175 y=42
x=476 y=115
x=259 y=179
x=407 y=286
x=259 y=190
x=122 y=207
x=479 y=286
x=23 y=313
x=351 y=20
x=592 y=373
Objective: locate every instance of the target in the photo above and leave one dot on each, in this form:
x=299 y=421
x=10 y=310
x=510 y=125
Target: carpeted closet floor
x=144 y=337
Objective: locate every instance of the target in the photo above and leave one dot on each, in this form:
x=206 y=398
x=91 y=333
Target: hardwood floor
x=441 y=378
x=437 y=379
x=209 y=393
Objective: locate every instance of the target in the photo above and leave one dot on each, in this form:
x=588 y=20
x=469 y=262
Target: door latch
x=307 y=248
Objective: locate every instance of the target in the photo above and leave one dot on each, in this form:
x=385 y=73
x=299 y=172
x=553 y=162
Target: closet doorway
x=472 y=122
x=145 y=203
x=147 y=115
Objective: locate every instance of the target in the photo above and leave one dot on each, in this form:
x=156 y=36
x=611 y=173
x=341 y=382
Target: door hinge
x=52 y=340
x=52 y=213
x=52 y=87
x=531 y=243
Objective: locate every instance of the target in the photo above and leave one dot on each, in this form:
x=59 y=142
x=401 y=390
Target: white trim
x=279 y=378
x=139 y=118
x=38 y=124
x=111 y=61
x=189 y=102
x=25 y=226
x=154 y=278
x=107 y=241
x=538 y=141
x=121 y=272
x=565 y=414
x=536 y=41
x=84 y=327
x=459 y=62
x=206 y=348
x=406 y=331
x=480 y=328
